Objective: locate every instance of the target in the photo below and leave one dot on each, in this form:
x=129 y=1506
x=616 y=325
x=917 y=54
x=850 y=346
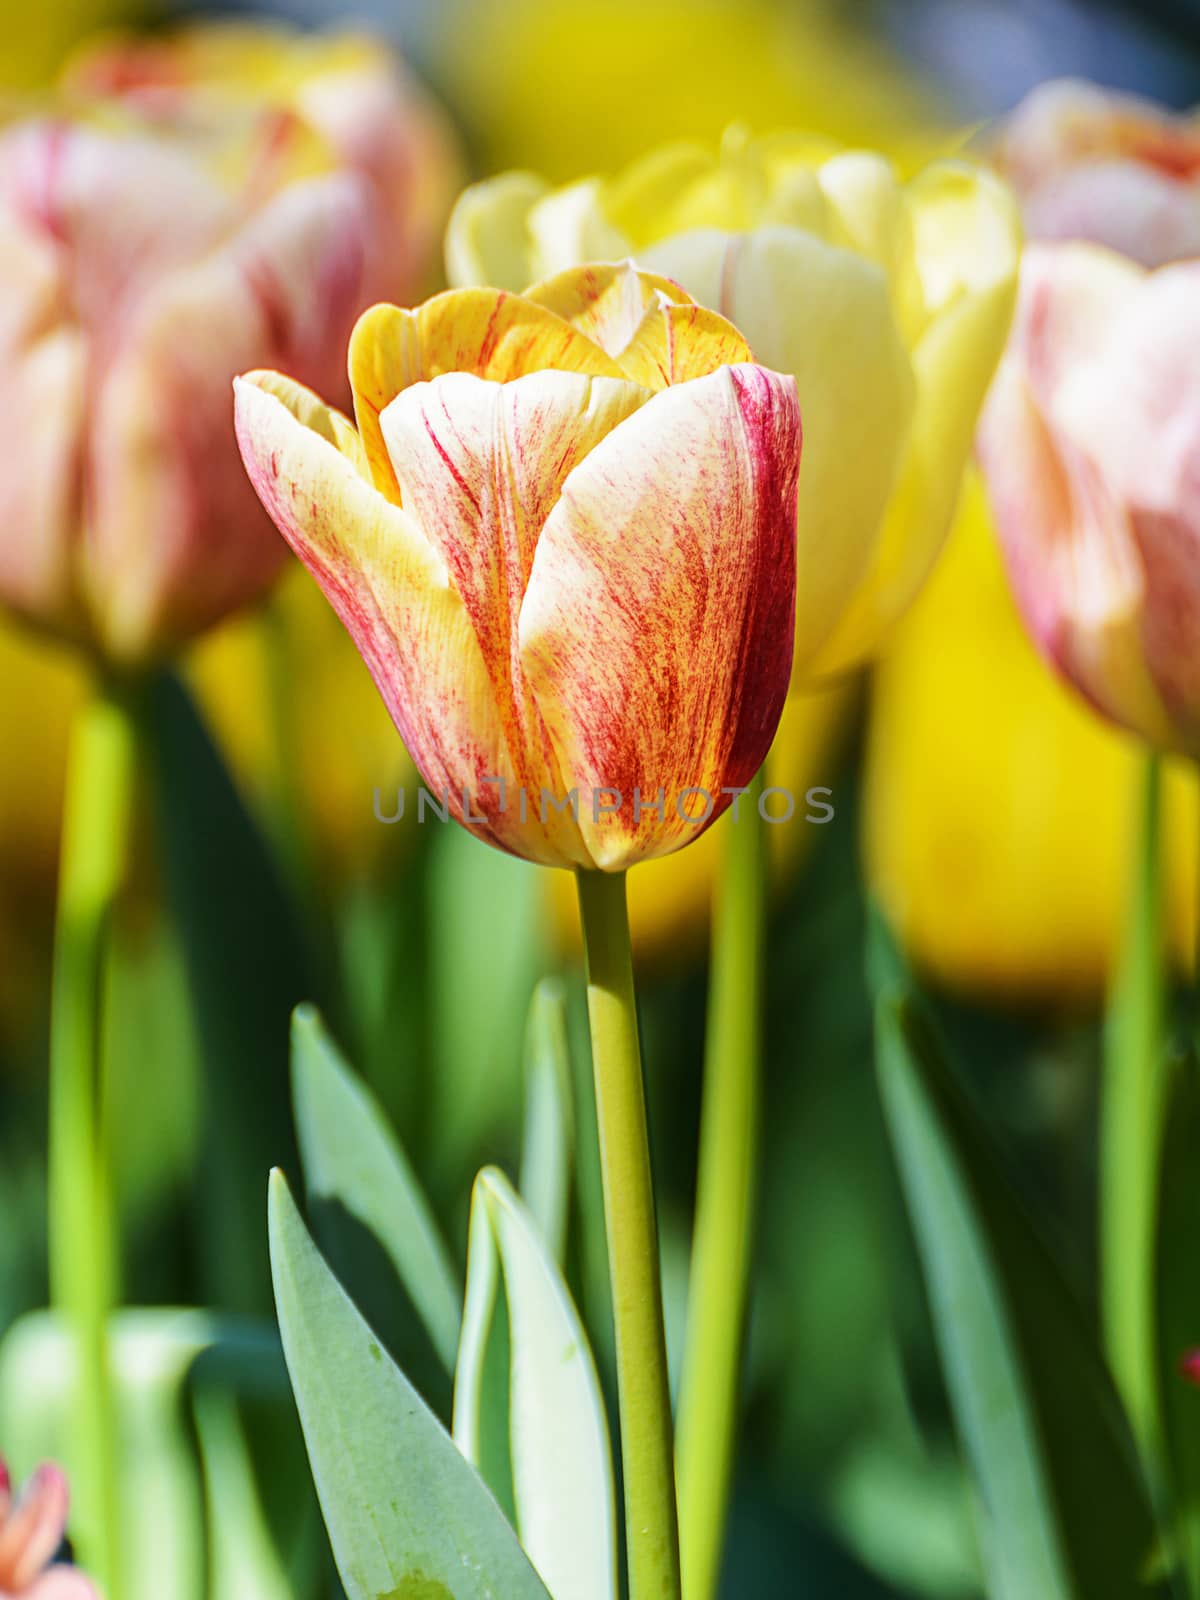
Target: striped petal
x=607 y=302
x=481 y=465
x=489 y=332
x=393 y=592
x=656 y=630
x=823 y=314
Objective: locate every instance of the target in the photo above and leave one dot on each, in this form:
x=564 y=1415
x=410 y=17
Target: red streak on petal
x=1189 y=1367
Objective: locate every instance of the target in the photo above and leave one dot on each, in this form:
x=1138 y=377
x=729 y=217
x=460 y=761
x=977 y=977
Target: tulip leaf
x=1178 y=1313
x=243 y=1562
x=357 y=1172
x=557 y=1432
x=408 y=1516
x=247 y=965
x=549 y=1134
x=1064 y=1512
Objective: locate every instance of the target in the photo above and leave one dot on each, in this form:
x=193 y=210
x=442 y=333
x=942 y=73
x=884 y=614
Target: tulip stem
x=721 y=1247
x=647 y=1454
x=1135 y=1082
x=84 y=1264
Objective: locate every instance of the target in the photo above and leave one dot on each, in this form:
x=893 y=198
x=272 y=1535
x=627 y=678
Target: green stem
x=84 y=1264
x=721 y=1247
x=1135 y=1082
x=647 y=1454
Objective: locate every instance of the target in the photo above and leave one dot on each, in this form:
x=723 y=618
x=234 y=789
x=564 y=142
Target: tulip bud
x=889 y=302
x=140 y=270
x=1088 y=163
x=1090 y=443
x=563 y=539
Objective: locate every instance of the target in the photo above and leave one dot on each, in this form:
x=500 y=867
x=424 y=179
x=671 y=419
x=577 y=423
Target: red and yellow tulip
x=563 y=537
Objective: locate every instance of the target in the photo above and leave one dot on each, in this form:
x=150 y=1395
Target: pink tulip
x=139 y=271
x=31 y=1531
x=1090 y=442
x=1088 y=163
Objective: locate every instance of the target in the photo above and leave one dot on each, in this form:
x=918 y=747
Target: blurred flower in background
x=141 y=268
x=350 y=90
x=1000 y=810
x=1088 y=163
x=268 y=123
x=983 y=773
x=32 y=1527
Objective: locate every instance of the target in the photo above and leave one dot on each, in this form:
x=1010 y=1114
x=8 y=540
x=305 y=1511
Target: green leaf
x=248 y=965
x=557 y=1431
x=243 y=1562
x=356 y=1171
x=1177 y=1272
x=408 y=1516
x=549 y=1116
x=1065 y=1514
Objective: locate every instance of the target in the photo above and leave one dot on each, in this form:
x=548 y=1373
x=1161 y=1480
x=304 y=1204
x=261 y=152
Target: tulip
x=563 y=538
x=888 y=302
x=31 y=1532
x=140 y=272
x=1090 y=163
x=367 y=111
x=1090 y=443
x=999 y=811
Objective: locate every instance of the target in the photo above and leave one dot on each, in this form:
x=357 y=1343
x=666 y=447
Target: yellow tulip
x=1000 y=812
x=888 y=301
x=563 y=538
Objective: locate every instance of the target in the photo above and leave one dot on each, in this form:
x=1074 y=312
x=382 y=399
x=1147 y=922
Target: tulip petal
x=489 y=332
x=488 y=239
x=572 y=225
x=839 y=338
x=33 y=1530
x=395 y=597
x=63 y=1583
x=1135 y=410
x=174 y=539
x=606 y=302
x=480 y=466
x=966 y=241
x=1070 y=552
x=678 y=533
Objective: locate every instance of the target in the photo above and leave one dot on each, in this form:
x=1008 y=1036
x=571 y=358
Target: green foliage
x=546 y=1407
x=358 y=1181
x=1064 y=1512
x=406 y=1512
